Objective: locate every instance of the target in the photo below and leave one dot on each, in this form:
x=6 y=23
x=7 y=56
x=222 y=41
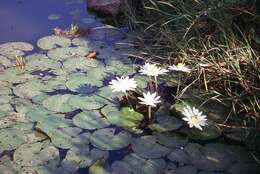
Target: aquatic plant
x=194 y=117
x=152 y=70
x=20 y=62
x=150 y=100
x=73 y=31
x=180 y=67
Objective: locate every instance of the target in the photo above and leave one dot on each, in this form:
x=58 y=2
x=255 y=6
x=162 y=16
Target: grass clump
x=218 y=39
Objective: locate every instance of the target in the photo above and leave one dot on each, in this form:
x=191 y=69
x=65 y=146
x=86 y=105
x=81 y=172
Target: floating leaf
x=172 y=140
x=99 y=167
x=108 y=139
x=36 y=154
x=58 y=103
x=86 y=102
x=208 y=133
x=51 y=42
x=90 y=120
x=11 y=139
x=12 y=49
x=166 y=123
x=65 y=53
x=148 y=147
x=133 y=164
x=83 y=157
x=81 y=64
x=125 y=117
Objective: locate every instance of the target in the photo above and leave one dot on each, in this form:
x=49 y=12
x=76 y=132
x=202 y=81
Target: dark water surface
x=27 y=20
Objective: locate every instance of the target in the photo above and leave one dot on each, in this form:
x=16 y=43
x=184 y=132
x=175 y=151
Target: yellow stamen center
x=180 y=65
x=194 y=119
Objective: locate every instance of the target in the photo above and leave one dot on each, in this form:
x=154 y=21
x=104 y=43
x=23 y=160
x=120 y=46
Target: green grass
x=217 y=38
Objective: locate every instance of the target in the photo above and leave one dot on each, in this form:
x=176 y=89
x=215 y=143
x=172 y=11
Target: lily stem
x=149 y=113
x=156 y=84
x=150 y=84
x=128 y=101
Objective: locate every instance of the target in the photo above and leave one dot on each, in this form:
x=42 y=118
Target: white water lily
x=149 y=99
x=152 y=70
x=194 y=117
x=123 y=84
x=180 y=67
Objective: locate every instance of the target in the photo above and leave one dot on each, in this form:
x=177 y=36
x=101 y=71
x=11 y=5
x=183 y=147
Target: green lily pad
x=82 y=64
x=51 y=42
x=119 y=68
x=209 y=132
x=36 y=154
x=63 y=137
x=90 y=120
x=106 y=139
x=58 y=103
x=5 y=99
x=15 y=75
x=80 y=42
x=11 y=119
x=11 y=139
x=42 y=63
x=87 y=103
x=133 y=164
x=125 y=117
x=172 y=140
x=83 y=157
x=13 y=49
x=65 y=53
x=22 y=105
x=4 y=61
x=30 y=89
x=99 y=167
x=77 y=80
x=148 y=147
x=107 y=93
x=166 y=123
x=213 y=109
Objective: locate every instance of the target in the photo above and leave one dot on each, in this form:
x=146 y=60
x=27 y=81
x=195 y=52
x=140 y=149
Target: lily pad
x=36 y=154
x=172 y=140
x=86 y=102
x=209 y=132
x=148 y=147
x=84 y=157
x=12 y=49
x=77 y=80
x=40 y=63
x=125 y=117
x=80 y=42
x=133 y=164
x=11 y=139
x=4 y=61
x=5 y=99
x=21 y=105
x=11 y=119
x=90 y=120
x=65 y=53
x=108 y=139
x=63 y=137
x=166 y=123
x=214 y=110
x=30 y=89
x=15 y=75
x=99 y=167
x=58 y=103
x=81 y=64
x=51 y=42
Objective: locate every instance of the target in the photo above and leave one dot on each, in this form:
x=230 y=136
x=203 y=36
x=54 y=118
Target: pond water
x=57 y=114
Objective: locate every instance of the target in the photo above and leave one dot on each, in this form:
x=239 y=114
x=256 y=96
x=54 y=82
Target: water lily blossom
x=194 y=117
x=123 y=84
x=180 y=67
x=152 y=70
x=149 y=99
